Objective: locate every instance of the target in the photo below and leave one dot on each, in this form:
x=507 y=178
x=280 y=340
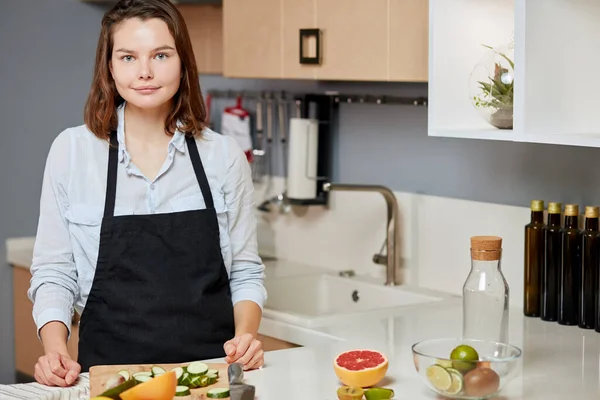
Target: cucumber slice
x=182 y=391
x=217 y=393
x=204 y=380
x=156 y=370
x=125 y=374
x=116 y=391
x=213 y=371
x=143 y=373
x=212 y=379
x=142 y=378
x=197 y=368
x=185 y=379
x=178 y=372
x=195 y=382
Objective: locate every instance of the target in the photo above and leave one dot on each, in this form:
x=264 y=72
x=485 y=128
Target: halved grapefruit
x=361 y=367
x=161 y=387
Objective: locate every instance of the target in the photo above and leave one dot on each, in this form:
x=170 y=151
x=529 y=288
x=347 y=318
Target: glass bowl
x=465 y=378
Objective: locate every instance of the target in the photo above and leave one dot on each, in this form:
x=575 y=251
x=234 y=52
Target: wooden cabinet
x=252 y=43
x=28 y=347
x=205 y=26
x=409 y=40
x=355 y=39
x=368 y=40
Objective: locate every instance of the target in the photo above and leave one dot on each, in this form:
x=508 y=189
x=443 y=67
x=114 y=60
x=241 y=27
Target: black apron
x=161 y=292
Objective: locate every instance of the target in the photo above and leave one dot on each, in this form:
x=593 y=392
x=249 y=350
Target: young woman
x=146 y=222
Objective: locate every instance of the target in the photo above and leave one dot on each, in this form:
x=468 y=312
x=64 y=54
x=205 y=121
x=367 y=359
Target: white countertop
x=558 y=362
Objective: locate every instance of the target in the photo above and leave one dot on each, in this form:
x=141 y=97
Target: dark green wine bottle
x=589 y=269
x=568 y=295
x=534 y=259
x=551 y=267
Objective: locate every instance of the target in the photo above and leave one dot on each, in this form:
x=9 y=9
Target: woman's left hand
x=246 y=350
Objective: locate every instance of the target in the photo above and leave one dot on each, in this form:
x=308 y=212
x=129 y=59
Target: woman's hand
x=246 y=350
x=56 y=369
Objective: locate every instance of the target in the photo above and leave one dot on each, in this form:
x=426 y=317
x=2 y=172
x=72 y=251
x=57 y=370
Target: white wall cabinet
x=556 y=80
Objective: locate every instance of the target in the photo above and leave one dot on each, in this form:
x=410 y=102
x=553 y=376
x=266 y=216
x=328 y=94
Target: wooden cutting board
x=99 y=374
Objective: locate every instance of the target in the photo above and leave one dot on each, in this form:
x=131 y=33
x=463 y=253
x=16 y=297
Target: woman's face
x=144 y=64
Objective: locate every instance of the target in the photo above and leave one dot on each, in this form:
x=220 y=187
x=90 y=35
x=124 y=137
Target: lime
x=349 y=393
x=464 y=358
x=439 y=377
x=379 y=394
x=457 y=381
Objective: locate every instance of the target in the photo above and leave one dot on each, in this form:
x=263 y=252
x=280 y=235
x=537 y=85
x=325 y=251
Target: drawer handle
x=312 y=39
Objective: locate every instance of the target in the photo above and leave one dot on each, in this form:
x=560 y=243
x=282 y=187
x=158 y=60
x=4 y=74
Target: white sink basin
x=320 y=299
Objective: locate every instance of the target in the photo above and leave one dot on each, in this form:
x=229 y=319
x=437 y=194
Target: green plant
x=498 y=92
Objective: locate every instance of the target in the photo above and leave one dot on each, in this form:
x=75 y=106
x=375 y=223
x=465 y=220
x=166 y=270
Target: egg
x=481 y=382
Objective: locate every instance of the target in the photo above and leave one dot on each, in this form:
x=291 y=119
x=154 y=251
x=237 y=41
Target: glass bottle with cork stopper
x=534 y=258
x=589 y=269
x=485 y=292
x=551 y=266
x=570 y=267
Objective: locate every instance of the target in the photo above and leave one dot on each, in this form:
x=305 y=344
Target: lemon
x=444 y=363
x=464 y=358
x=349 y=393
x=379 y=394
x=439 y=377
x=457 y=381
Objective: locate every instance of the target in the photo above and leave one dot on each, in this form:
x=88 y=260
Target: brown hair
x=100 y=114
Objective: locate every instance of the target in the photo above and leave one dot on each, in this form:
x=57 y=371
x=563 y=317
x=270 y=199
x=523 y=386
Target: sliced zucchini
x=116 y=391
x=185 y=379
x=142 y=378
x=178 y=372
x=125 y=374
x=195 y=382
x=203 y=381
x=212 y=379
x=142 y=373
x=197 y=368
x=217 y=393
x=156 y=370
x=213 y=371
x=182 y=391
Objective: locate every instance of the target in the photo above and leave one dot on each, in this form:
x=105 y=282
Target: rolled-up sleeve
x=53 y=287
x=247 y=269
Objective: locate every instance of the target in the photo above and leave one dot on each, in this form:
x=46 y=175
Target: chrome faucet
x=392 y=259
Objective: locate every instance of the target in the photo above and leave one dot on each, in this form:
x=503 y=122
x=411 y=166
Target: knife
x=238 y=390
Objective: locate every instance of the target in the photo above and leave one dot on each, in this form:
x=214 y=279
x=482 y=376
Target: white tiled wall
x=435 y=233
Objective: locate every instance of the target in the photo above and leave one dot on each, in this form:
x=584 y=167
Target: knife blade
x=238 y=390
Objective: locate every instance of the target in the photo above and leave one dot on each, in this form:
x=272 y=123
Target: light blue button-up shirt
x=72 y=205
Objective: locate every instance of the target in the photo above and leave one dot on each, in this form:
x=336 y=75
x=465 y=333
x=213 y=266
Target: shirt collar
x=177 y=141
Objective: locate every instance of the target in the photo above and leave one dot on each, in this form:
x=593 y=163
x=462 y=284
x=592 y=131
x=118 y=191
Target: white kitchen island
x=558 y=362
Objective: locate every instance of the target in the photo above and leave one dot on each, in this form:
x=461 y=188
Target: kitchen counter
x=558 y=362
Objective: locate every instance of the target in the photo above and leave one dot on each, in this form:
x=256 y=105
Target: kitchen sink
x=320 y=299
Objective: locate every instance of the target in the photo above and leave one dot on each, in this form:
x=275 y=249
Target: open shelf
x=556 y=82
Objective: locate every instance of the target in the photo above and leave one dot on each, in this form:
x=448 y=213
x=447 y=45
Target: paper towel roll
x=302 y=158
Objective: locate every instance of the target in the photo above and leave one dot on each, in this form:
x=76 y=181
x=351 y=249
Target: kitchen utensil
x=235 y=122
x=465 y=378
x=258 y=159
x=238 y=390
x=99 y=374
x=283 y=121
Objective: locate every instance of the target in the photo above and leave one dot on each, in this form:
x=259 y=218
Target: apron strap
x=200 y=173
x=111 y=179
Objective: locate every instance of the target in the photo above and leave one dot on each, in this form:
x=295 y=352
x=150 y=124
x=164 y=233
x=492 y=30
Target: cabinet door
x=252 y=38
x=297 y=14
x=205 y=25
x=409 y=40
x=354 y=39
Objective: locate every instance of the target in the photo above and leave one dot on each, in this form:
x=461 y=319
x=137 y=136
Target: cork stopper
x=591 y=212
x=486 y=248
x=554 y=208
x=572 y=210
x=537 y=205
